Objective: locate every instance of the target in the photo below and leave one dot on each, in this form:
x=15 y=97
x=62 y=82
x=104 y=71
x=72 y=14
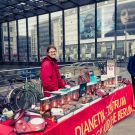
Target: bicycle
x=5 y=94
x=16 y=98
x=30 y=95
x=21 y=97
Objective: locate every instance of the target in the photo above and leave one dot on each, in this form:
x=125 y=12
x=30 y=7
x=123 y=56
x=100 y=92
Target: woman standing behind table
x=49 y=74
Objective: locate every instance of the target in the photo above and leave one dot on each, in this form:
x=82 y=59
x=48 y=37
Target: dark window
x=10 y=29
x=5 y=38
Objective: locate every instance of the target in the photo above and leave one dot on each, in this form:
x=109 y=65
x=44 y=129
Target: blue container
x=92 y=77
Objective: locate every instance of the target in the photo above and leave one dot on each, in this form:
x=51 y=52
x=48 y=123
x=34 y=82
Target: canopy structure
x=18 y=9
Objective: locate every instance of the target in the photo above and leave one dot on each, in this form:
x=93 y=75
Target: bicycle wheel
x=12 y=98
x=34 y=88
x=25 y=99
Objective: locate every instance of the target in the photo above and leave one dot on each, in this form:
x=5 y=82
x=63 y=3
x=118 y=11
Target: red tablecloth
x=95 y=119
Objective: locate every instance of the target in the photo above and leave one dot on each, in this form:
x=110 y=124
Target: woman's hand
x=67 y=86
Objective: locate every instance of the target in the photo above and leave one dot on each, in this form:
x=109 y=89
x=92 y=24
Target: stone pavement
x=124 y=127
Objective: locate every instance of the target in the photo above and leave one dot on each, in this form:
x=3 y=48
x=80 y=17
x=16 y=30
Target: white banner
x=111 y=69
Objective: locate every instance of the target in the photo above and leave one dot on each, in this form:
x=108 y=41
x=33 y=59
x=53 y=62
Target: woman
x=50 y=76
x=125 y=20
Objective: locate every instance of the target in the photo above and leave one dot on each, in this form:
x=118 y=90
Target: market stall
x=94 y=118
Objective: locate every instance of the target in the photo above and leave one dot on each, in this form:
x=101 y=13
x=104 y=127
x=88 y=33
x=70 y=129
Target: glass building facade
x=96 y=31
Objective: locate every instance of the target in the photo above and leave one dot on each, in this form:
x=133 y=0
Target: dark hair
x=51 y=46
x=87 y=19
x=130 y=9
x=130 y=26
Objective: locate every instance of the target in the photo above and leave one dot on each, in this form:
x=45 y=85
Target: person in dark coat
x=131 y=70
x=49 y=74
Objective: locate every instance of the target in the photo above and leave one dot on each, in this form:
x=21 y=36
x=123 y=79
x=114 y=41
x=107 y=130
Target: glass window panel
x=125 y=29
x=22 y=40
x=5 y=43
x=87 y=32
x=57 y=33
x=43 y=34
x=71 y=36
x=32 y=34
x=106 y=26
x=13 y=45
